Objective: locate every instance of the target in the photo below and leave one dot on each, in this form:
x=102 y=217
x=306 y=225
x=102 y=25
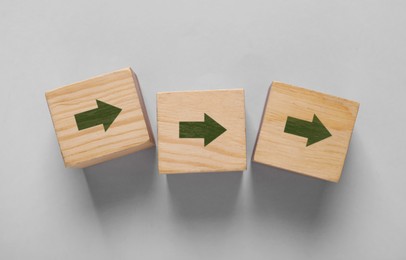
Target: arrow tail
x=298 y=127
x=87 y=119
x=192 y=129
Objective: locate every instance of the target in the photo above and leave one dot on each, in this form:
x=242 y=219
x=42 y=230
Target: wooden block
x=305 y=131
x=100 y=119
x=201 y=131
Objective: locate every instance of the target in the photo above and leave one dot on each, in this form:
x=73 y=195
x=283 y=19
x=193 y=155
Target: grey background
x=122 y=209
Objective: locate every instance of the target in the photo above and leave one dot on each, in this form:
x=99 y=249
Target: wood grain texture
x=226 y=153
x=130 y=131
x=324 y=159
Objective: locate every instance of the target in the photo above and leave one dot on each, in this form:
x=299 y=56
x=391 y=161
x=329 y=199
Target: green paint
x=104 y=114
x=314 y=131
x=209 y=129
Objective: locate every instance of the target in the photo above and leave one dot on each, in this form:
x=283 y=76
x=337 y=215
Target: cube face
x=100 y=119
x=201 y=131
x=305 y=131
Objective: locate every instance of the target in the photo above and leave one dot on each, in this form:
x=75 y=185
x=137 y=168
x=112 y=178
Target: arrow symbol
x=209 y=129
x=104 y=114
x=314 y=131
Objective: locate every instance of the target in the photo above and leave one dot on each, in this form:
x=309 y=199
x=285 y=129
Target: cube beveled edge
x=143 y=107
x=52 y=91
x=261 y=123
x=334 y=180
x=286 y=85
x=110 y=156
x=197 y=91
x=196 y=172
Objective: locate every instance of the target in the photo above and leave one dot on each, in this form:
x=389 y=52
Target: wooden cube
x=305 y=131
x=100 y=119
x=201 y=131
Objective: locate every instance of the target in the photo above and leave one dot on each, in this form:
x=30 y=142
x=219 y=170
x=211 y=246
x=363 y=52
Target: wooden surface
x=226 y=153
x=324 y=159
x=129 y=132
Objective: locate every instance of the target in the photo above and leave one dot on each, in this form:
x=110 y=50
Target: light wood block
x=126 y=128
x=181 y=117
x=289 y=119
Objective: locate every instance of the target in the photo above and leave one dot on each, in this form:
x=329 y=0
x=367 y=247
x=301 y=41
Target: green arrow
x=209 y=129
x=104 y=114
x=314 y=131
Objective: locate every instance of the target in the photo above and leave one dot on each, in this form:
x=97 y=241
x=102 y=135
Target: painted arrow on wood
x=209 y=129
x=314 y=131
x=104 y=114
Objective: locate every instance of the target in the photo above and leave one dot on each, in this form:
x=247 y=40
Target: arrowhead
x=319 y=131
x=107 y=113
x=214 y=129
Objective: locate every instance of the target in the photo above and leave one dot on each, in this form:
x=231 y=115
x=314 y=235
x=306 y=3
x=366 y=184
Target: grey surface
x=123 y=210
